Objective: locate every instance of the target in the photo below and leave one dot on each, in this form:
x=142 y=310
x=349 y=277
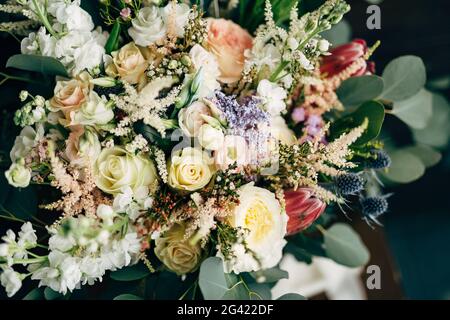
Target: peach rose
x=129 y=63
x=70 y=95
x=72 y=143
x=228 y=41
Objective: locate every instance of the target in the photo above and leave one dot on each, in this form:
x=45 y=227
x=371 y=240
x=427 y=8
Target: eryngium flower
x=373 y=207
x=302 y=208
x=349 y=183
x=381 y=160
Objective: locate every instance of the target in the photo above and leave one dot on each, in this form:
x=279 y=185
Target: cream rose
x=177 y=253
x=281 y=132
x=190 y=118
x=128 y=63
x=234 y=150
x=82 y=146
x=70 y=95
x=210 y=138
x=228 y=42
x=18 y=176
x=180 y=15
x=116 y=168
x=95 y=111
x=205 y=62
x=260 y=213
x=190 y=169
x=148 y=27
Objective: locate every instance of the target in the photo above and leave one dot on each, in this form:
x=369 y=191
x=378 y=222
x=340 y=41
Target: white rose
x=116 y=168
x=88 y=56
x=260 y=213
x=207 y=63
x=210 y=138
x=190 y=118
x=190 y=169
x=18 y=176
x=281 y=132
x=234 y=150
x=95 y=111
x=89 y=145
x=148 y=27
x=180 y=14
x=272 y=97
x=12 y=281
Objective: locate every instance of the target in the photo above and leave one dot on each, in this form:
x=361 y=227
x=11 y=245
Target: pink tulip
x=302 y=208
x=343 y=56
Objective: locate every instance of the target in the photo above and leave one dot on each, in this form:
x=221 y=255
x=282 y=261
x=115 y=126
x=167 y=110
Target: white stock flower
x=27 y=236
x=25 y=141
x=148 y=27
x=123 y=252
x=207 y=63
x=95 y=111
x=63 y=273
x=261 y=215
x=89 y=55
x=180 y=15
x=71 y=15
x=11 y=280
x=61 y=243
x=123 y=199
x=4 y=250
x=272 y=97
x=38 y=43
x=92 y=269
x=18 y=175
x=234 y=150
x=240 y=259
x=210 y=138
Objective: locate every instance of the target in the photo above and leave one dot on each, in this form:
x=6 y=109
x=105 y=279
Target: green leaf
x=291 y=296
x=260 y=291
x=212 y=280
x=269 y=275
x=343 y=245
x=136 y=272
x=405 y=167
x=236 y=292
x=113 y=40
x=357 y=90
x=52 y=295
x=403 y=78
x=415 y=111
x=426 y=154
x=371 y=110
x=437 y=132
x=127 y=296
x=41 y=64
x=339 y=34
x=35 y=294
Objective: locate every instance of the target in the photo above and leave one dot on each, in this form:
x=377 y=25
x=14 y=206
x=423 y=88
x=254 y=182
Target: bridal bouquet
x=184 y=151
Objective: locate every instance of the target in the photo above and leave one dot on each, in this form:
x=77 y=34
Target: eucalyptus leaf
x=35 y=294
x=291 y=296
x=260 y=291
x=405 y=167
x=212 y=280
x=357 y=90
x=344 y=245
x=403 y=78
x=415 y=111
x=46 y=65
x=269 y=275
x=426 y=154
x=437 y=132
x=136 y=272
x=127 y=296
x=236 y=292
x=339 y=34
x=50 y=294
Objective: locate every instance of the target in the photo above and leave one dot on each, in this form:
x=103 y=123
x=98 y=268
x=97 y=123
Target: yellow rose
x=177 y=253
x=190 y=169
x=129 y=64
x=228 y=42
x=116 y=168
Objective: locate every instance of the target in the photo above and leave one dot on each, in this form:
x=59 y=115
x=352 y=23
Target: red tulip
x=343 y=56
x=302 y=208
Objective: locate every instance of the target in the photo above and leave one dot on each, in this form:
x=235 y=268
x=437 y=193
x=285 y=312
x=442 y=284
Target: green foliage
x=50 y=294
x=127 y=296
x=35 y=294
x=344 y=245
x=339 y=34
x=405 y=167
x=403 y=78
x=426 y=154
x=357 y=90
x=113 y=40
x=45 y=65
x=136 y=272
x=291 y=296
x=212 y=280
x=415 y=111
x=270 y=275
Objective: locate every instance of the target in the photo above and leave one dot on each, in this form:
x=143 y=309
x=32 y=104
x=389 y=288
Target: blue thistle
x=373 y=207
x=349 y=183
x=381 y=160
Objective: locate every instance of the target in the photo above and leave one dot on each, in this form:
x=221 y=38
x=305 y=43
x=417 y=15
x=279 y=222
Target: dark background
x=413 y=247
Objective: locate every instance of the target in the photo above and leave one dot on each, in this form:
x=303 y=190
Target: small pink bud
x=125 y=13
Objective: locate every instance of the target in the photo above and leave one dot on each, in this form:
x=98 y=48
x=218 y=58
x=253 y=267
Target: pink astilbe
x=302 y=208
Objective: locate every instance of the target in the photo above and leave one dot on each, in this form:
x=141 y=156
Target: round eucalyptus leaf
x=357 y=90
x=269 y=275
x=291 y=296
x=339 y=34
x=127 y=296
x=259 y=291
x=415 y=111
x=403 y=77
x=236 y=292
x=344 y=245
x=426 y=154
x=405 y=167
x=136 y=272
x=35 y=294
x=212 y=281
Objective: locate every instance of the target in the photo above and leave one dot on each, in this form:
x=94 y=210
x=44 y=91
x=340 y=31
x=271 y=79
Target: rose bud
x=343 y=56
x=302 y=208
